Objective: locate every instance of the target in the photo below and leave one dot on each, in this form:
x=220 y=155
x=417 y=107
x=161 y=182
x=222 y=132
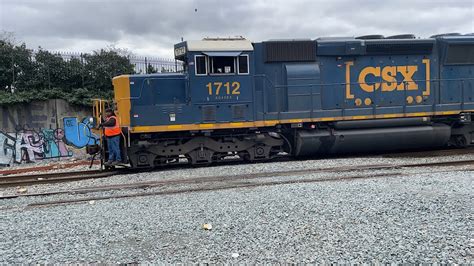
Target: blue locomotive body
x=302 y=97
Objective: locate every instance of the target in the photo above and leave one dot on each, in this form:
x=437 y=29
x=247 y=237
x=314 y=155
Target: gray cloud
x=151 y=27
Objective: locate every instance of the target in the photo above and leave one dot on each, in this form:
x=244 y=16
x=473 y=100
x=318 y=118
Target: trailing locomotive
x=302 y=97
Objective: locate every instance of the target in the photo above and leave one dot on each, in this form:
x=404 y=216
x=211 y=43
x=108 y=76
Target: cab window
x=201 y=65
x=243 y=64
x=222 y=64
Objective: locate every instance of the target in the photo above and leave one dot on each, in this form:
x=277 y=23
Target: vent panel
x=209 y=113
x=290 y=51
x=398 y=48
x=238 y=111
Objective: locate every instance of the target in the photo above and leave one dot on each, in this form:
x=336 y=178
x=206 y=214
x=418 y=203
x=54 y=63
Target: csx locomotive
x=300 y=97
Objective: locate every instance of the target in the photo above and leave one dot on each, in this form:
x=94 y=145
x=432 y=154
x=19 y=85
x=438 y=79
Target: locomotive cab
x=214 y=90
x=220 y=73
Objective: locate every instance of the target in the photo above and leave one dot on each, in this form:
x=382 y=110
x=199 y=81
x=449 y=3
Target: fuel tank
x=379 y=123
x=312 y=142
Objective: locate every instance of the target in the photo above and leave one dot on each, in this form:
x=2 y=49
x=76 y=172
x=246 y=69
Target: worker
x=112 y=133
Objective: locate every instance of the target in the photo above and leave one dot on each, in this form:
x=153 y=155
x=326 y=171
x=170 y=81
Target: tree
x=6 y=65
x=75 y=71
x=51 y=71
x=102 y=66
x=16 y=67
x=26 y=76
x=151 y=69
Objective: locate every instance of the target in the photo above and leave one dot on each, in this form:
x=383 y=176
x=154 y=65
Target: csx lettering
x=389 y=78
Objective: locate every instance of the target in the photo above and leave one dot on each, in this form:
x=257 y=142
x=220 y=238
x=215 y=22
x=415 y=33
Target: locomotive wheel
x=244 y=155
x=460 y=141
x=159 y=161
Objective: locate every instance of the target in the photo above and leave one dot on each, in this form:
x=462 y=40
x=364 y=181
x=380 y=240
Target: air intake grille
x=398 y=48
x=209 y=113
x=290 y=51
x=238 y=111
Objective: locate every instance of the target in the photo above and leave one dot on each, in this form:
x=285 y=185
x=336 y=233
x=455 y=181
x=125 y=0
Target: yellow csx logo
x=388 y=76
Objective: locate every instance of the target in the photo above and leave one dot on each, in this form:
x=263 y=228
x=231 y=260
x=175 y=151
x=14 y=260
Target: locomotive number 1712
x=226 y=88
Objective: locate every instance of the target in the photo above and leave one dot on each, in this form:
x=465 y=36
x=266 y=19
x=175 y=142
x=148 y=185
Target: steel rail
x=220 y=187
x=245 y=178
x=32 y=179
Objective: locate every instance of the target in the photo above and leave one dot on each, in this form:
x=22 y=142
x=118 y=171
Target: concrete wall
x=39 y=114
x=43 y=130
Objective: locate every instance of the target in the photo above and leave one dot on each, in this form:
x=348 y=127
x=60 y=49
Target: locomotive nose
x=155 y=99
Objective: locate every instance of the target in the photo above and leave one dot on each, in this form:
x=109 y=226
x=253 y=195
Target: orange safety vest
x=113 y=131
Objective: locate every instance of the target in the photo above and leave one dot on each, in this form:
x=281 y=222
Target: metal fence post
x=13 y=74
x=146 y=66
x=82 y=69
x=49 y=78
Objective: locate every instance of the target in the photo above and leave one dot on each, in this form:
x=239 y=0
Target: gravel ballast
x=235 y=170
x=412 y=218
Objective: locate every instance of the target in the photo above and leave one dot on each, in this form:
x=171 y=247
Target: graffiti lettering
x=54 y=144
x=77 y=133
x=7 y=148
x=29 y=145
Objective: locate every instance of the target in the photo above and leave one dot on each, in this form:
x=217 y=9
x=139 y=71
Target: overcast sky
x=151 y=27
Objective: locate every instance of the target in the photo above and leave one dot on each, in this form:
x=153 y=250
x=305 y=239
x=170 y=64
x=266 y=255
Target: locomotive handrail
x=375 y=102
x=358 y=83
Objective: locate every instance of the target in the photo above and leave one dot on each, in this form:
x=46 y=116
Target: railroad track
x=212 y=183
x=212 y=187
x=33 y=179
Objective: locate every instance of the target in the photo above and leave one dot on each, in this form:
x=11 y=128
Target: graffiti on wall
x=77 y=133
x=30 y=145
